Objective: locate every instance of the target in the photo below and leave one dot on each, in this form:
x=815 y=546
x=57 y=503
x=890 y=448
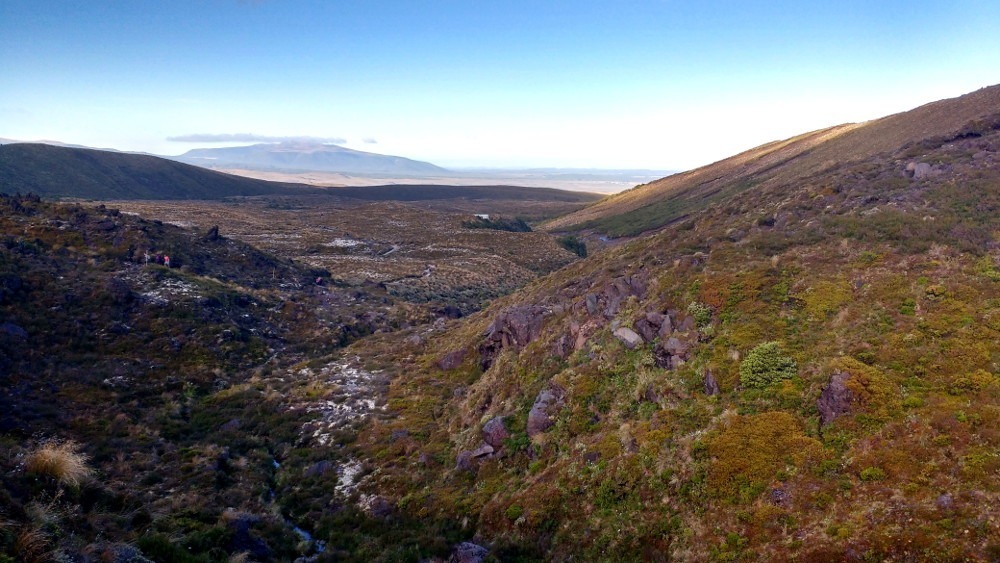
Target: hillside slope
x=667 y=200
x=807 y=370
x=53 y=171
x=146 y=406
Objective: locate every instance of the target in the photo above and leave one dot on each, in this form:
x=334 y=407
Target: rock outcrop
x=468 y=552
x=711 y=385
x=514 y=328
x=468 y=460
x=495 y=432
x=835 y=399
x=628 y=337
x=608 y=300
x=549 y=401
x=452 y=359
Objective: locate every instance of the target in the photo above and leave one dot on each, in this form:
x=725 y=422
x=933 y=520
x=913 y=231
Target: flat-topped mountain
x=305 y=156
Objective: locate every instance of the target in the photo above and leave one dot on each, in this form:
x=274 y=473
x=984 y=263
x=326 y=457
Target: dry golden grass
x=60 y=460
x=32 y=544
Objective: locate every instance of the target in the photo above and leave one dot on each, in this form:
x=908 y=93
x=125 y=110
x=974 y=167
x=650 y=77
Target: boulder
x=380 y=507
x=666 y=327
x=835 y=399
x=671 y=353
x=320 y=468
x=584 y=333
x=231 y=426
x=241 y=539
x=687 y=324
x=918 y=170
x=482 y=451
x=647 y=330
x=119 y=290
x=495 y=432
x=676 y=347
x=468 y=552
x=467 y=460
x=711 y=385
x=514 y=328
x=563 y=346
x=452 y=359
x=14 y=331
x=945 y=502
x=628 y=337
x=780 y=497
x=549 y=400
x=117 y=553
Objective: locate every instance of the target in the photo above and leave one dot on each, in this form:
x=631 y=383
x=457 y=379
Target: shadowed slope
x=52 y=171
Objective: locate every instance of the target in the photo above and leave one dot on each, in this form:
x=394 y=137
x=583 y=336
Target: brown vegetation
x=61 y=461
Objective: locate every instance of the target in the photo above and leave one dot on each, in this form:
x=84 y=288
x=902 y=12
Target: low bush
x=517 y=225
x=764 y=365
x=574 y=245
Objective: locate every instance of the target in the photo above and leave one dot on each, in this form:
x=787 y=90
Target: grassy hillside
x=145 y=405
x=783 y=163
x=52 y=171
x=801 y=371
x=803 y=368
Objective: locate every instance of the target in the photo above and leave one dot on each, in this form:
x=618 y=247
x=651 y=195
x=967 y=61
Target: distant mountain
x=303 y=156
x=54 y=171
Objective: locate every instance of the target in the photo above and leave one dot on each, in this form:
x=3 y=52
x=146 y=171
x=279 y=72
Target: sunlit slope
x=672 y=198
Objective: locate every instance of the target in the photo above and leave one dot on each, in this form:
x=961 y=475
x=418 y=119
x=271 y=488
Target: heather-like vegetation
x=827 y=384
x=802 y=370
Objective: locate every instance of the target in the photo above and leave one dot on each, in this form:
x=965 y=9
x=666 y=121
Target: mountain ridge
x=779 y=161
x=56 y=171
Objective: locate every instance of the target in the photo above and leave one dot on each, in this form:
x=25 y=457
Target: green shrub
x=702 y=313
x=574 y=245
x=517 y=225
x=514 y=512
x=872 y=474
x=764 y=365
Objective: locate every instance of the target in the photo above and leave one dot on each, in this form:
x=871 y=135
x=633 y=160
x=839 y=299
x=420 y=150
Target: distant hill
x=57 y=171
x=669 y=199
x=54 y=171
x=303 y=156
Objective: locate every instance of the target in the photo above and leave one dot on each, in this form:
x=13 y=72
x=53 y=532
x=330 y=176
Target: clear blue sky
x=651 y=84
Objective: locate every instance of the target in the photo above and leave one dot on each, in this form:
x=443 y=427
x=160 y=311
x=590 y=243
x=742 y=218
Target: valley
x=791 y=354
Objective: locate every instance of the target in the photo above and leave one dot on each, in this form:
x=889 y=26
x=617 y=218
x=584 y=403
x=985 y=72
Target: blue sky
x=650 y=84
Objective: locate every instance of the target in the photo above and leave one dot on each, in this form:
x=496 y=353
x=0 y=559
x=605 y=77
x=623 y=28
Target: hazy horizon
x=640 y=85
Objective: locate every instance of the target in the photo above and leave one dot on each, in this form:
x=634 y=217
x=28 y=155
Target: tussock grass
x=31 y=545
x=60 y=460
